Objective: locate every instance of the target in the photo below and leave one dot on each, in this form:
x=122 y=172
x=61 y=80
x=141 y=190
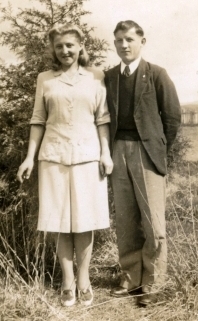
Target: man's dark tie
x=126 y=71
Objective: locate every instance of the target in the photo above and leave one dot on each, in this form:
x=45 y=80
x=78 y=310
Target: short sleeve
x=39 y=113
x=102 y=115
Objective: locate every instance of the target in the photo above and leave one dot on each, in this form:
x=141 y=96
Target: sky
x=171 y=30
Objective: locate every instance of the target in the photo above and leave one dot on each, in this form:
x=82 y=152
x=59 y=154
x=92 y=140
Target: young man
x=145 y=117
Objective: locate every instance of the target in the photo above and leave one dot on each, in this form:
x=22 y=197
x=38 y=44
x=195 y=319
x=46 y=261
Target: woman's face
x=67 y=49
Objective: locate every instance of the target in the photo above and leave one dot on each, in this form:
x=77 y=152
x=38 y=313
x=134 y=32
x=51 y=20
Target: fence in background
x=189 y=117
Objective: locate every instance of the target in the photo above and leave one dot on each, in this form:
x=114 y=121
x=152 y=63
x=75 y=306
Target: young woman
x=70 y=126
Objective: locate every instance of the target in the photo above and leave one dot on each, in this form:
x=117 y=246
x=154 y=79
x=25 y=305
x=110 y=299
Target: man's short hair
x=128 y=24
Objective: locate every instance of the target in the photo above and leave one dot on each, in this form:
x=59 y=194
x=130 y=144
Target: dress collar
x=70 y=81
x=80 y=71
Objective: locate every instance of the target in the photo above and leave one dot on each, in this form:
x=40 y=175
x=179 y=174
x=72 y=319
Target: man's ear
x=143 y=41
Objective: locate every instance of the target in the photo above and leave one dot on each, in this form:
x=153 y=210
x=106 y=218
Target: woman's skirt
x=72 y=198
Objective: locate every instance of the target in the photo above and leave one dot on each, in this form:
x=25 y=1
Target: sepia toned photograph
x=98 y=160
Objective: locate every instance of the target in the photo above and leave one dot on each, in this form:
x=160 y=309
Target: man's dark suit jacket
x=157 y=111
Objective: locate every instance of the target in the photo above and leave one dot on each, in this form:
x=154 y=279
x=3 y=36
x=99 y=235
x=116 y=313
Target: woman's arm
x=106 y=164
x=36 y=135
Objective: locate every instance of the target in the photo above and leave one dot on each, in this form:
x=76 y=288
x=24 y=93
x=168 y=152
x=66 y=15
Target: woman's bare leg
x=65 y=252
x=83 y=246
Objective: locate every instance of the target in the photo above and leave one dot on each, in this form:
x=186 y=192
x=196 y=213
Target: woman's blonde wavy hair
x=61 y=30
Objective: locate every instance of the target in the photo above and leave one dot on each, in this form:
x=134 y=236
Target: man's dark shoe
x=120 y=292
x=145 y=299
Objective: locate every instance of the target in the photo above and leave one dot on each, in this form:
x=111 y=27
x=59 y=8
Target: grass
x=37 y=297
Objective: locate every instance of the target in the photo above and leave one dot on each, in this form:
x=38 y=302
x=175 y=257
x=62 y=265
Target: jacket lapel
x=114 y=87
x=143 y=76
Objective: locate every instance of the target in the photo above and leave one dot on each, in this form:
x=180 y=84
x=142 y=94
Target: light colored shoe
x=68 y=297
x=86 y=296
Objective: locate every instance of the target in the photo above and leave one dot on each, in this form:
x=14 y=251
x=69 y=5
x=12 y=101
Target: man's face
x=128 y=45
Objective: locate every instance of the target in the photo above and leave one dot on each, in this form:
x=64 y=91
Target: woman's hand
x=25 y=169
x=106 y=164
